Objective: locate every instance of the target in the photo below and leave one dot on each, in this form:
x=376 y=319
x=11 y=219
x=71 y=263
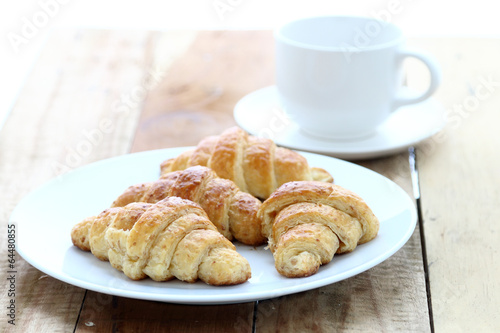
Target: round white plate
x=260 y=113
x=45 y=217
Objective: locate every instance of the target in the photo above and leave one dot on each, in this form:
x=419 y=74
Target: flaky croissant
x=255 y=164
x=233 y=212
x=172 y=238
x=307 y=222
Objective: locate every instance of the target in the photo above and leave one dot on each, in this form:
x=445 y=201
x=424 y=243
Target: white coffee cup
x=339 y=77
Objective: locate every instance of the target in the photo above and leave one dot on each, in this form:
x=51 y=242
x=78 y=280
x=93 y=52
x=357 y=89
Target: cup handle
x=434 y=71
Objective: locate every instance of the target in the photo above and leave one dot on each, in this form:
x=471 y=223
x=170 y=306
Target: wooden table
x=169 y=89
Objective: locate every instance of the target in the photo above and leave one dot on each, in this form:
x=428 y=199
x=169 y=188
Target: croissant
x=307 y=222
x=255 y=164
x=233 y=212
x=172 y=238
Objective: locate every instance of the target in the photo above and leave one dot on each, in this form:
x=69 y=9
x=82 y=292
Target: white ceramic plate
x=260 y=113
x=45 y=217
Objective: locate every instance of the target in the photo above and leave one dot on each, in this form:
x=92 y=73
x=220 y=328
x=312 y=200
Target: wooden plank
x=105 y=313
x=389 y=297
x=460 y=189
x=195 y=98
x=64 y=118
x=201 y=87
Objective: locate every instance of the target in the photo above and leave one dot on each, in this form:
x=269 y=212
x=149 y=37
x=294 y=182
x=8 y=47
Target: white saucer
x=260 y=113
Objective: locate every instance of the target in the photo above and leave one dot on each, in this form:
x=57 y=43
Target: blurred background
x=26 y=24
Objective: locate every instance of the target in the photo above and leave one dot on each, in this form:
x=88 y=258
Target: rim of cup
x=365 y=29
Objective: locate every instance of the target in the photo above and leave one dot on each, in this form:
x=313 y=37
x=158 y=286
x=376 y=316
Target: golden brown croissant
x=233 y=212
x=307 y=222
x=255 y=164
x=172 y=238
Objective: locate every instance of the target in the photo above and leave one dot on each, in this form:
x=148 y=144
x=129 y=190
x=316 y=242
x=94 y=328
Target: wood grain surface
x=94 y=94
x=200 y=88
x=460 y=186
